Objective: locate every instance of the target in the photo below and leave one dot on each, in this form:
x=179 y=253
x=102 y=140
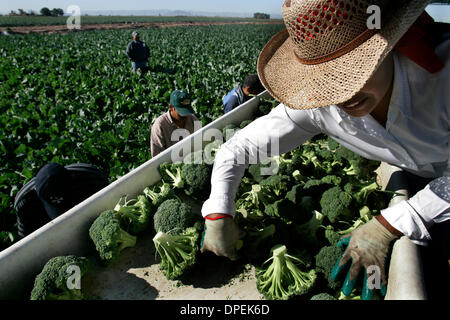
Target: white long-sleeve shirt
x=416 y=139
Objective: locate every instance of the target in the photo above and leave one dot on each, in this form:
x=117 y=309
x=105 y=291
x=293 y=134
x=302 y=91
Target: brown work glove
x=221 y=236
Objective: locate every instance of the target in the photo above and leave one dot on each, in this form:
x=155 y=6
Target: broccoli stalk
x=178 y=252
x=361 y=192
x=108 y=236
x=134 y=215
x=159 y=193
x=280 y=278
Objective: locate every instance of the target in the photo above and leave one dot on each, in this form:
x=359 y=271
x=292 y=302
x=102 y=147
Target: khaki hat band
x=359 y=40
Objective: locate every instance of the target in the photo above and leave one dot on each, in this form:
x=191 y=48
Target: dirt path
x=115 y=26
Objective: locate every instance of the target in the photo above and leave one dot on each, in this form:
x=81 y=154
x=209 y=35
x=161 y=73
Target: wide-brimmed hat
x=327 y=52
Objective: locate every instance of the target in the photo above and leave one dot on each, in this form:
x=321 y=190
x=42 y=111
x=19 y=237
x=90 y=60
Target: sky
x=251 y=6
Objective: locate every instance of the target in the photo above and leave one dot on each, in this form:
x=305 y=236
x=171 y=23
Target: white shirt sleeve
x=279 y=132
x=415 y=216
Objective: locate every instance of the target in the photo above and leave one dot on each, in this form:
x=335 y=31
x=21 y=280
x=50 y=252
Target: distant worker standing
x=179 y=117
x=138 y=52
x=240 y=94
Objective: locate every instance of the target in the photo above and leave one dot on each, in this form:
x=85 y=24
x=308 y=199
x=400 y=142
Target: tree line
x=259 y=15
x=55 y=12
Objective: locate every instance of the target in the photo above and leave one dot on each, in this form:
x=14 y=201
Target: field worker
x=138 y=52
x=179 y=117
x=383 y=93
x=242 y=93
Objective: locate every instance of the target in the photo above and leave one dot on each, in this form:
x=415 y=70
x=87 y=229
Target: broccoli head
x=178 y=252
x=53 y=282
x=108 y=236
x=336 y=203
x=326 y=260
x=173 y=215
x=256 y=239
x=280 y=277
x=134 y=215
x=197 y=179
x=358 y=166
x=276 y=186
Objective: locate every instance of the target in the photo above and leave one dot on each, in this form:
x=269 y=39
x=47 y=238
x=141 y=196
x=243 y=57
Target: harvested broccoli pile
x=302 y=201
x=109 y=237
x=53 y=283
x=174 y=215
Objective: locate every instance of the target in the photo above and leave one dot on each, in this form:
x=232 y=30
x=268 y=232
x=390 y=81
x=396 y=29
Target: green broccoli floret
x=211 y=150
x=276 y=186
x=245 y=123
x=171 y=174
x=323 y=296
x=264 y=108
x=280 y=278
x=325 y=261
x=53 y=282
x=336 y=203
x=229 y=131
x=159 y=193
x=134 y=215
x=174 y=215
x=307 y=232
x=178 y=252
x=108 y=236
x=332 y=144
x=197 y=179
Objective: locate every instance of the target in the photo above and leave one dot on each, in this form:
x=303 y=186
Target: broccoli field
x=72 y=98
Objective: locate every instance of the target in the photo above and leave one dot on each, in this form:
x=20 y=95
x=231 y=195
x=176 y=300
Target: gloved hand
x=367 y=246
x=221 y=236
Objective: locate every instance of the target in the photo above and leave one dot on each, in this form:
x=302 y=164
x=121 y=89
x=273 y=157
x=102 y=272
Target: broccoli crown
x=134 y=215
x=51 y=283
x=178 y=252
x=276 y=185
x=197 y=179
x=358 y=165
x=335 y=203
x=108 y=236
x=282 y=209
x=245 y=123
x=323 y=296
x=361 y=191
x=172 y=214
x=256 y=239
x=280 y=277
x=325 y=262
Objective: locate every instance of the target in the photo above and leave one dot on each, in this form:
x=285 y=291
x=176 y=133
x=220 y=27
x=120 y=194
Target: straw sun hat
x=327 y=53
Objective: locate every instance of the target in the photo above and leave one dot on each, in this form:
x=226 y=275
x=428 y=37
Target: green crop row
x=73 y=98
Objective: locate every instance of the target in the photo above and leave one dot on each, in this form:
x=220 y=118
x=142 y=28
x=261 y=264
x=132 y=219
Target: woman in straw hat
x=382 y=93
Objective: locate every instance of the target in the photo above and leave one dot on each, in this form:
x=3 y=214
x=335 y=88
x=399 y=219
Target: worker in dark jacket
x=138 y=52
x=240 y=94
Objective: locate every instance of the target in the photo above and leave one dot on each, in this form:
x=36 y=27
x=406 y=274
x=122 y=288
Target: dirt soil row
x=113 y=26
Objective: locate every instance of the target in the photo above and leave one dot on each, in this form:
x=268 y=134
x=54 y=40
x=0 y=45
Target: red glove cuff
x=223 y=216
